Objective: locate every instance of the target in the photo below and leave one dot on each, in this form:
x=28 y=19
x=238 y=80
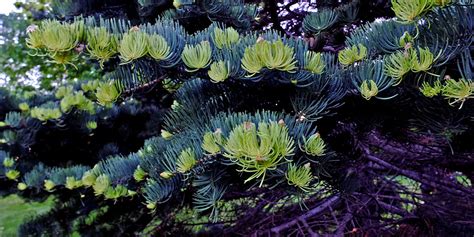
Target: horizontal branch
x=415 y=176
x=318 y=209
x=144 y=86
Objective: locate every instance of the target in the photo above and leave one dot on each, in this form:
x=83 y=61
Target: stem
x=318 y=209
x=413 y=175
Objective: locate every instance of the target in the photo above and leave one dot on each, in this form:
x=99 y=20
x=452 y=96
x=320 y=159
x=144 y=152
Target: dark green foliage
x=380 y=37
x=265 y=146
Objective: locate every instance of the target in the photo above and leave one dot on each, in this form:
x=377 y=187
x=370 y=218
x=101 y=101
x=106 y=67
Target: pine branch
x=460 y=191
x=145 y=86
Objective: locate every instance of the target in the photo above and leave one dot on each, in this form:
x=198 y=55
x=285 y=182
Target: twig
x=342 y=225
x=415 y=176
x=144 y=86
x=318 y=209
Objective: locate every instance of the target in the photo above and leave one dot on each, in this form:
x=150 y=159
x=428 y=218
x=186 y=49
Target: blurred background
x=13 y=209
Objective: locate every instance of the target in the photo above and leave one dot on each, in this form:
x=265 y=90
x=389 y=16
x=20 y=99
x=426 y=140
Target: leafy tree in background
x=20 y=68
x=34 y=9
x=219 y=117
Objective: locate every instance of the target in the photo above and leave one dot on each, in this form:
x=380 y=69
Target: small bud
x=12 y=174
x=49 y=185
x=407 y=46
x=24 y=106
x=139 y=174
x=88 y=179
x=22 y=186
x=281 y=122
x=166 y=174
x=177 y=4
x=175 y=106
x=260 y=39
x=131 y=193
x=368 y=89
x=315 y=145
x=8 y=162
x=166 y=135
x=149 y=148
x=211 y=142
x=72 y=183
x=135 y=29
x=31 y=28
x=260 y=158
x=248 y=125
x=80 y=48
x=151 y=205
x=91 y=125
x=406 y=40
x=301 y=117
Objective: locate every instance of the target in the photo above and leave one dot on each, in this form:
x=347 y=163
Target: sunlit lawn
x=13 y=210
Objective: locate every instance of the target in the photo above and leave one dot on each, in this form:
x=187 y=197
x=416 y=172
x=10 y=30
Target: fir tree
x=220 y=117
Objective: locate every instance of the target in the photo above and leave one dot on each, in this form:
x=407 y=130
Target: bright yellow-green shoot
x=133 y=45
x=353 y=54
x=197 y=57
x=300 y=177
x=314 y=145
x=272 y=55
x=408 y=11
x=257 y=151
x=458 y=91
x=314 y=62
x=368 y=89
x=225 y=38
x=219 y=71
x=186 y=161
x=158 y=48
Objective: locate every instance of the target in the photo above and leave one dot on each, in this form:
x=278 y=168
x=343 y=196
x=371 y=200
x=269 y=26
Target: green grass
x=14 y=210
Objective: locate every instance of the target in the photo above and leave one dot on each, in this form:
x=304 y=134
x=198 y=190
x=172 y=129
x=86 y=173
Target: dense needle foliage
x=233 y=117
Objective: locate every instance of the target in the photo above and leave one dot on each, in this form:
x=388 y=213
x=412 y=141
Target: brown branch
x=392 y=209
x=318 y=209
x=144 y=86
x=308 y=228
x=417 y=177
x=342 y=225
